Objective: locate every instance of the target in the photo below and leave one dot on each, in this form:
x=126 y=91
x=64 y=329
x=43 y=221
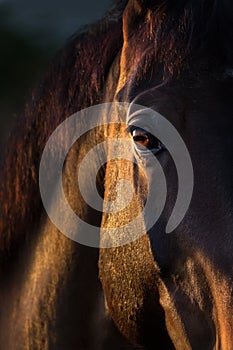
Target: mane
x=164 y=33
x=74 y=81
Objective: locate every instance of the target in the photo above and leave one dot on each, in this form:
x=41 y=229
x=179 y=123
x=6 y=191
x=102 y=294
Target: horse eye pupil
x=143 y=139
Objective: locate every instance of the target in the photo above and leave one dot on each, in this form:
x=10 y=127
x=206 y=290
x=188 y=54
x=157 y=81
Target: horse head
x=175 y=289
x=166 y=69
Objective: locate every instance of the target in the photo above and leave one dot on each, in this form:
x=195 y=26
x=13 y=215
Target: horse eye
x=145 y=141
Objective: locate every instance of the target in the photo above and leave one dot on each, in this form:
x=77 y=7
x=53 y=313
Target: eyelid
x=130 y=128
x=137 y=115
x=142 y=119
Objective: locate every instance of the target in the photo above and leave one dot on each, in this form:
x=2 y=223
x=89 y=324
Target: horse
x=170 y=291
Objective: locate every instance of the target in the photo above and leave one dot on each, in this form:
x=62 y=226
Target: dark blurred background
x=31 y=32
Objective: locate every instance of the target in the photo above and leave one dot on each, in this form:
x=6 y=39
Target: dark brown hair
x=74 y=81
